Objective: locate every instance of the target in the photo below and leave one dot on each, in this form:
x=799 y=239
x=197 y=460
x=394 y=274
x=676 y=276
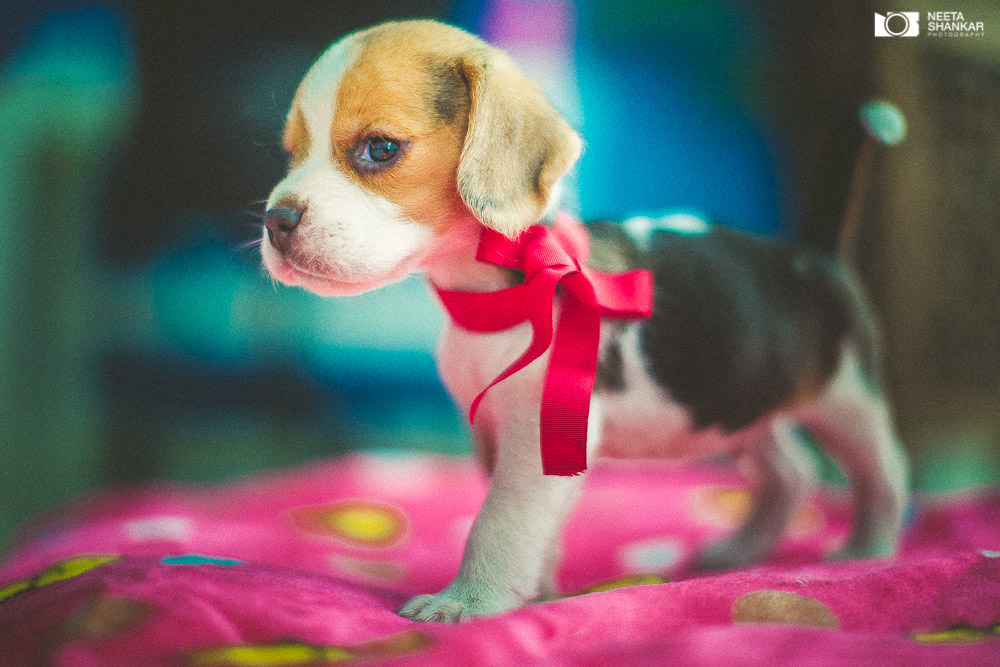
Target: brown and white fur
x=746 y=345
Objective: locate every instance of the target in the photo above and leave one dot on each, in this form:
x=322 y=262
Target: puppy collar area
x=550 y=257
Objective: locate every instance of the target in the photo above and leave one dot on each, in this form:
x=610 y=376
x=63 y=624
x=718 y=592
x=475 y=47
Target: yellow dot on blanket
x=58 y=571
x=73 y=567
x=957 y=635
x=768 y=606
x=10 y=590
x=624 y=582
x=290 y=653
x=370 y=524
x=360 y=523
x=271 y=655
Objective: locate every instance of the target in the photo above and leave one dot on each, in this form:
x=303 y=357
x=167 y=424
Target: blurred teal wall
x=189 y=363
x=66 y=98
x=146 y=342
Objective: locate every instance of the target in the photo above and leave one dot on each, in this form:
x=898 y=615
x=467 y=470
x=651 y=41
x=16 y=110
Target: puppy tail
x=882 y=124
x=836 y=206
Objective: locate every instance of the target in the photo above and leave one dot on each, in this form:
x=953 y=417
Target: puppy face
x=396 y=134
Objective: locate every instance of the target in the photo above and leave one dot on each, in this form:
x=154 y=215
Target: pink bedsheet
x=306 y=567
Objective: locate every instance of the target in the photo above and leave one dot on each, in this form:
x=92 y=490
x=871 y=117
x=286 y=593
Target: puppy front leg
x=505 y=556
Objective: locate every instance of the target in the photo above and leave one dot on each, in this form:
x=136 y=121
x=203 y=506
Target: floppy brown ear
x=516 y=147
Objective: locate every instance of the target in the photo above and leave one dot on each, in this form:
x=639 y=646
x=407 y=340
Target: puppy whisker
x=250 y=245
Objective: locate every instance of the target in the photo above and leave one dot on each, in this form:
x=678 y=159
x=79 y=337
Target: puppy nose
x=280 y=222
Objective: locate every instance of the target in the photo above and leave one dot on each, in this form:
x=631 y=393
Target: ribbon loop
x=550 y=258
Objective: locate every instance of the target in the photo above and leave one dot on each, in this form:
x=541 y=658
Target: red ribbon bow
x=549 y=258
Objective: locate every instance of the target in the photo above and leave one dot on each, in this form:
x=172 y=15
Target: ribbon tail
x=569 y=380
x=539 y=299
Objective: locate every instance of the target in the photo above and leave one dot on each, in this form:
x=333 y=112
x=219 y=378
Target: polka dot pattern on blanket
x=307 y=566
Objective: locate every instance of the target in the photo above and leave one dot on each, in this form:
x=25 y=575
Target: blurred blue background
x=140 y=337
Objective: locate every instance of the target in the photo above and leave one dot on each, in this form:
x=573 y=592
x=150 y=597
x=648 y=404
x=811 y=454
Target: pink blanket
x=306 y=567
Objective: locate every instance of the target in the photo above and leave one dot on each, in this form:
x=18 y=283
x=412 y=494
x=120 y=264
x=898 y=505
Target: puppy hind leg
x=856 y=430
x=784 y=475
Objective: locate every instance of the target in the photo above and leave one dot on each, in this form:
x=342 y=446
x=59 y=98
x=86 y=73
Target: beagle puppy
x=407 y=138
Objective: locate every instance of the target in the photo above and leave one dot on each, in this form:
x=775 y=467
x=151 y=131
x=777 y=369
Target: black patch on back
x=739 y=322
x=611 y=367
x=612 y=250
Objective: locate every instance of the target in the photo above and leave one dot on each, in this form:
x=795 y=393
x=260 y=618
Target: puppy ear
x=516 y=148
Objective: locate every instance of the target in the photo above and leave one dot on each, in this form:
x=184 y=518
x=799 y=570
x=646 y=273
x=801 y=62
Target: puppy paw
x=725 y=555
x=435 y=608
x=858 y=551
x=447 y=607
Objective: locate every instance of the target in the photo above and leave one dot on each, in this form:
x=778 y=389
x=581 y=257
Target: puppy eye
x=379 y=150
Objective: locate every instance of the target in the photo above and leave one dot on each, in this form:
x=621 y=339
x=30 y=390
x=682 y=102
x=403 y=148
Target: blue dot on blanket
x=197 y=559
x=653 y=554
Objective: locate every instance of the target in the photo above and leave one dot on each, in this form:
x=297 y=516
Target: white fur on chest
x=469 y=361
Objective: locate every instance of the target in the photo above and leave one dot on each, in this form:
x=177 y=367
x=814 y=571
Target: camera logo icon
x=897 y=24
